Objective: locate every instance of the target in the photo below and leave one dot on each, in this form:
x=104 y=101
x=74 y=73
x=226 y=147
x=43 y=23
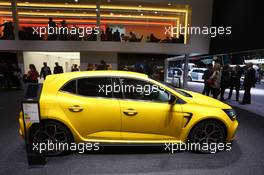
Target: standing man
x=45 y=71
x=250 y=75
x=207 y=74
x=57 y=69
x=235 y=82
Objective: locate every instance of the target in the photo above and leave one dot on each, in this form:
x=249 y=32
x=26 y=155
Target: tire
x=189 y=79
x=208 y=132
x=51 y=131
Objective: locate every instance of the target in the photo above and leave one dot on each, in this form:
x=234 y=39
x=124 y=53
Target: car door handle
x=75 y=108
x=130 y=112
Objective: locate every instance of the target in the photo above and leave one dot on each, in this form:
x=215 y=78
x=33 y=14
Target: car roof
x=102 y=73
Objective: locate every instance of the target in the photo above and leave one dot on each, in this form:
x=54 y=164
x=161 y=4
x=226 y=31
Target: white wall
x=64 y=59
x=95 y=57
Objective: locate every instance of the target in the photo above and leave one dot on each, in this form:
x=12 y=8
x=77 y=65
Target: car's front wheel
x=52 y=135
x=206 y=134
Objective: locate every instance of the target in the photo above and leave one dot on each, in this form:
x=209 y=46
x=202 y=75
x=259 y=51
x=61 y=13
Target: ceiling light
x=169 y=4
x=141 y=14
x=111 y=14
x=155 y=12
x=76 y=0
x=139 y=5
x=26 y=2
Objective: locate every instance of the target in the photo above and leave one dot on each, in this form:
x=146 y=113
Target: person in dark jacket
x=207 y=74
x=225 y=80
x=249 y=81
x=45 y=71
x=235 y=82
x=57 y=69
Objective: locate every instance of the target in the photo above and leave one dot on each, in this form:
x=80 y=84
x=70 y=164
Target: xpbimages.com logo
x=80 y=31
x=174 y=31
x=129 y=88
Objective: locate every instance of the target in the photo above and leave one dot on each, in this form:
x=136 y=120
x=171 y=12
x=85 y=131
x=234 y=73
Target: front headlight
x=231 y=113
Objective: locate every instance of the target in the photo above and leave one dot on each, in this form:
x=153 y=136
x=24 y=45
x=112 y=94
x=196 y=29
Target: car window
x=142 y=90
x=95 y=87
x=70 y=87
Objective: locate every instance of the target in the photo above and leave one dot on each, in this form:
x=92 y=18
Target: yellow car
x=125 y=108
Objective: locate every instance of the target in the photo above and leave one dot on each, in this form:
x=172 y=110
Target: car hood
x=207 y=101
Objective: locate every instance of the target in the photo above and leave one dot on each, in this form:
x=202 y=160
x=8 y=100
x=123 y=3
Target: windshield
x=183 y=93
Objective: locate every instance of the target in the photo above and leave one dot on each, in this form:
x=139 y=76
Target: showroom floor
x=246 y=156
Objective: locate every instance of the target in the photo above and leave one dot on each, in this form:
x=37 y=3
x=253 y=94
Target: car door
x=147 y=115
x=194 y=75
x=93 y=112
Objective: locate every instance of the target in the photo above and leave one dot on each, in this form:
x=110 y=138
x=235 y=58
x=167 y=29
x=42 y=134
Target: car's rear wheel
x=189 y=78
x=208 y=132
x=51 y=132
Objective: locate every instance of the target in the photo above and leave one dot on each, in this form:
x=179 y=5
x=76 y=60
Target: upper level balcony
x=119 y=26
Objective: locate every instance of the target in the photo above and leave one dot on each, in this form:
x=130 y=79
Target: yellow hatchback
x=127 y=107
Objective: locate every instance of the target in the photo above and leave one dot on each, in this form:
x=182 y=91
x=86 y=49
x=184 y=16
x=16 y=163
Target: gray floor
x=246 y=156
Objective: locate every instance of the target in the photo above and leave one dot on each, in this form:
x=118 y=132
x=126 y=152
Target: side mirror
x=172 y=100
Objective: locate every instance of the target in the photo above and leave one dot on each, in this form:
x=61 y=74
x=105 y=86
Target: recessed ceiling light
x=96 y=10
x=120 y=15
x=26 y=2
x=141 y=14
x=111 y=14
x=76 y=0
x=169 y=4
x=155 y=12
x=139 y=5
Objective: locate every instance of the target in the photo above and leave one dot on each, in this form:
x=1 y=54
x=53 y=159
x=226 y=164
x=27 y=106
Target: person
x=103 y=36
x=133 y=37
x=116 y=35
x=235 y=82
x=207 y=74
x=16 y=76
x=57 y=69
x=52 y=26
x=102 y=65
x=249 y=81
x=32 y=75
x=90 y=67
x=45 y=71
x=75 y=68
x=109 y=34
x=225 y=80
x=8 y=31
x=3 y=74
x=216 y=80
x=63 y=30
x=152 y=38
